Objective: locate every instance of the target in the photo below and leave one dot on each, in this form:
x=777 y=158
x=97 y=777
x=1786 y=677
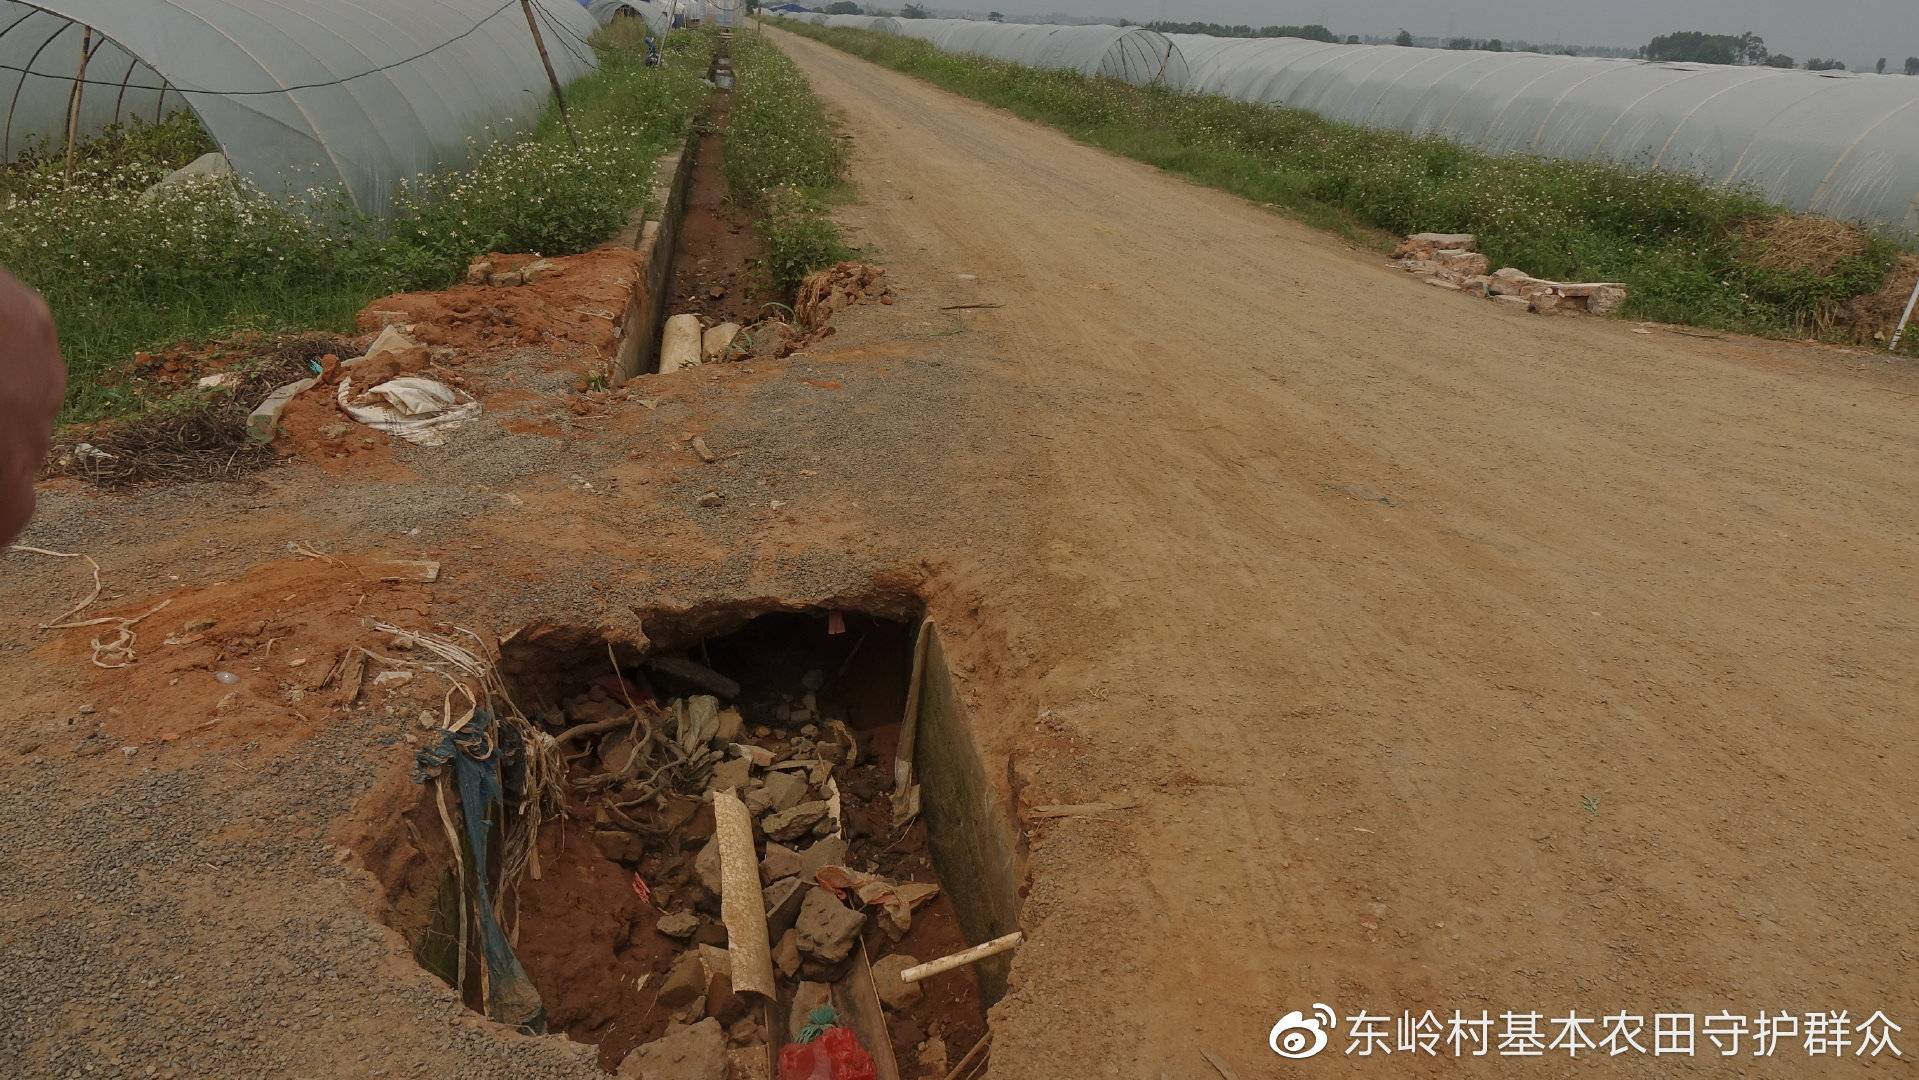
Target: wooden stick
x=73 y=100
x=1078 y=809
x=971 y=1057
x=858 y=997
x=539 y=42
x=962 y=958
x=1218 y=1066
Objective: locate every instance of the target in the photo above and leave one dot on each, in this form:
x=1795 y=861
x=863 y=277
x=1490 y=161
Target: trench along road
x=1458 y=659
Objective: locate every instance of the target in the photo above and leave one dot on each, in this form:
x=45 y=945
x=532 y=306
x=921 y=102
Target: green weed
x=784 y=157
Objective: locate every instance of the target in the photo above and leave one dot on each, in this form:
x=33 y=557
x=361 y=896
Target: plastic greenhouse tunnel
x=319 y=94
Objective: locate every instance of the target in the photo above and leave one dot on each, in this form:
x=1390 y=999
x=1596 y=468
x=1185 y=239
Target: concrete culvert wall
x=808 y=706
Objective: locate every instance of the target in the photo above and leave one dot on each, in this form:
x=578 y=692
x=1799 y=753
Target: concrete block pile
x=1449 y=261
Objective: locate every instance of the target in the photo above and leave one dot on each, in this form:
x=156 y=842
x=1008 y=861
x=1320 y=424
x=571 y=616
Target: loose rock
x=789 y=825
x=828 y=929
x=779 y=791
x=779 y=862
x=731 y=774
x=828 y=852
x=690 y=1052
x=679 y=926
x=783 y=900
x=807 y=997
x=895 y=992
x=685 y=983
x=786 y=955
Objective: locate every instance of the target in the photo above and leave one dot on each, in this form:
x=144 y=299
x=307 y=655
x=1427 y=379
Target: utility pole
x=539 y=42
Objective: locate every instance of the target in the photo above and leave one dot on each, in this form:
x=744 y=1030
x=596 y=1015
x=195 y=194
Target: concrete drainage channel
x=879 y=844
x=701 y=283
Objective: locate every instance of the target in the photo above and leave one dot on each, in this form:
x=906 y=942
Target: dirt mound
x=576 y=307
x=836 y=287
x=1872 y=317
x=258 y=657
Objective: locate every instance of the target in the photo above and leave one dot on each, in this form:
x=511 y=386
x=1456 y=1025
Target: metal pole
x=1900 y=331
x=73 y=100
x=539 y=42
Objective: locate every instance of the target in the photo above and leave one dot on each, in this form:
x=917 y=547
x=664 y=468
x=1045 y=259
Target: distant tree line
x=1313 y=32
x=1701 y=48
x=1693 y=46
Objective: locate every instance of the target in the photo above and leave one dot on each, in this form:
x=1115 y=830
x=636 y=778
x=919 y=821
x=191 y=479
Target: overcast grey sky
x=1856 y=31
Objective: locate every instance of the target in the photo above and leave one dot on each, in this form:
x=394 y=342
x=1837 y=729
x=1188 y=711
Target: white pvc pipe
x=962 y=958
x=1900 y=330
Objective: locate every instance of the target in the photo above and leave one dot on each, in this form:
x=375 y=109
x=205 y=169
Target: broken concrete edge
x=969 y=823
x=655 y=240
x=264 y=421
x=1450 y=261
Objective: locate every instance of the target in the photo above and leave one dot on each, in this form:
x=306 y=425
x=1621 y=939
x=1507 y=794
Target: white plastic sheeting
x=654 y=15
x=1130 y=54
x=1842 y=145
x=878 y=24
x=351 y=93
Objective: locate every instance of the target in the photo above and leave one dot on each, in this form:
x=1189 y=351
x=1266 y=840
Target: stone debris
x=825 y=852
x=809 y=995
x=933 y=1057
x=786 y=955
x=652 y=740
x=685 y=982
x=895 y=992
x=1449 y=261
x=791 y=824
x=687 y=1052
x=828 y=929
x=1425 y=245
x=731 y=774
x=778 y=791
x=494 y=271
x=680 y=926
x=748 y=1063
x=779 y=862
x=834 y=288
x=783 y=900
x=717 y=342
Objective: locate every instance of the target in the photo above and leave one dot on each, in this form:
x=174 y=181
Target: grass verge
x=1691 y=253
x=785 y=158
x=126 y=270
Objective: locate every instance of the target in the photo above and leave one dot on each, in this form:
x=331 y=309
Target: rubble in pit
x=646 y=746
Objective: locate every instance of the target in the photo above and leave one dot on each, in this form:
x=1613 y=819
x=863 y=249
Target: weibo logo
x=1296 y=1036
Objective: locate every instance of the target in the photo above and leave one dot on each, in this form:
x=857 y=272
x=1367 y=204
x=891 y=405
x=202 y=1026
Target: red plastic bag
x=835 y=1055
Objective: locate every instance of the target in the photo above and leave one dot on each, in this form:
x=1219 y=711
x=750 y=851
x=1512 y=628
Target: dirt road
x=1458 y=659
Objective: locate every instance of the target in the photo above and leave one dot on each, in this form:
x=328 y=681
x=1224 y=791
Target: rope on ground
x=117 y=653
x=82 y=605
